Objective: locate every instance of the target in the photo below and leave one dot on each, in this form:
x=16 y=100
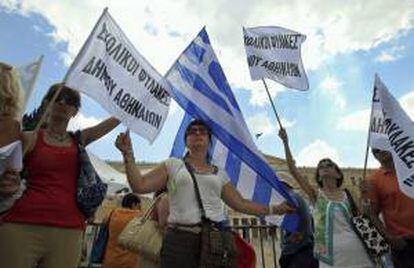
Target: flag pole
x=364 y=173
x=365 y=204
x=273 y=105
x=56 y=94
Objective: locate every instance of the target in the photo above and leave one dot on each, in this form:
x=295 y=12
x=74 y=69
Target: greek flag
x=200 y=87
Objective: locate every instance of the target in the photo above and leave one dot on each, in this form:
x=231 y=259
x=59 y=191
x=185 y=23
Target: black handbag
x=91 y=190
x=373 y=241
x=218 y=247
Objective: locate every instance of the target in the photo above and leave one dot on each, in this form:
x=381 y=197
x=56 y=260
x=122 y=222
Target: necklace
x=58 y=138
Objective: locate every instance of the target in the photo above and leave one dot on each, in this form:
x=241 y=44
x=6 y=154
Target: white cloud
x=390 y=55
x=407 y=103
x=261 y=123
x=359 y=120
x=259 y=96
x=168 y=26
x=331 y=87
x=315 y=151
x=81 y=121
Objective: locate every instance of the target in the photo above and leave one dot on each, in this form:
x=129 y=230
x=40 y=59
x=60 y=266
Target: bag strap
x=354 y=209
x=148 y=212
x=197 y=190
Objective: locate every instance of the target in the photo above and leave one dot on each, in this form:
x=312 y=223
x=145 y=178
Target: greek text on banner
x=111 y=71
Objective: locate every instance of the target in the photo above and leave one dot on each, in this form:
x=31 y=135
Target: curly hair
x=11 y=94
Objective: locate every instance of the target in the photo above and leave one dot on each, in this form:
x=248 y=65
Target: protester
x=297 y=247
x=11 y=187
x=181 y=244
x=115 y=256
x=336 y=244
x=396 y=208
x=45 y=225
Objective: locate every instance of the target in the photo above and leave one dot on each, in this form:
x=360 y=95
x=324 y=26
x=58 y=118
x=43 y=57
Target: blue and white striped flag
x=200 y=87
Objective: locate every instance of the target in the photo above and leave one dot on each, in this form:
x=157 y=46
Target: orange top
x=396 y=208
x=115 y=256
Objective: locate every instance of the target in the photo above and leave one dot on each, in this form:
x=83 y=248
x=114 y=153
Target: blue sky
x=346 y=44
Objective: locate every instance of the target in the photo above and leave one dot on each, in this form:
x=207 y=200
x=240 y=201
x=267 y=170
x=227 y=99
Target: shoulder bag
x=91 y=191
x=218 y=248
x=142 y=236
x=373 y=241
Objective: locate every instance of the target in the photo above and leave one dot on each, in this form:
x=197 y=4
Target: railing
x=263 y=238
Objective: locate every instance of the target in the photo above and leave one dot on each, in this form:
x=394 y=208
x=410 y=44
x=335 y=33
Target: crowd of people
x=41 y=224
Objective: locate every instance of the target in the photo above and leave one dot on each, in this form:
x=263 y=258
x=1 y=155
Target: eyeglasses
x=197 y=130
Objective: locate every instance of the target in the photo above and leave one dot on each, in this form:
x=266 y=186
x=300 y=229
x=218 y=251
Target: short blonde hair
x=11 y=94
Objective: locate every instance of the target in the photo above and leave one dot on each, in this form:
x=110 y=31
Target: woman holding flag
x=181 y=244
x=336 y=244
x=45 y=226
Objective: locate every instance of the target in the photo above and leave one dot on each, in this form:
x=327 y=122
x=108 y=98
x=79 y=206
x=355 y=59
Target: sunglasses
x=67 y=97
x=326 y=164
x=197 y=130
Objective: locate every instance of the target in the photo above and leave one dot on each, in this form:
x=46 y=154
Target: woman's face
x=327 y=171
x=65 y=106
x=197 y=137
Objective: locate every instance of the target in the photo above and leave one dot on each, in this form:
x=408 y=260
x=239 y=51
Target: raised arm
x=154 y=180
x=94 y=133
x=234 y=200
x=303 y=183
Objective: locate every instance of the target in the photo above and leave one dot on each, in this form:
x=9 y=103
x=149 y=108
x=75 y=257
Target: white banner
x=275 y=53
x=111 y=71
x=11 y=157
x=378 y=139
x=28 y=74
x=400 y=133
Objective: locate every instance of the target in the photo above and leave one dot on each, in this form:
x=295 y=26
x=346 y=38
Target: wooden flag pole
x=273 y=105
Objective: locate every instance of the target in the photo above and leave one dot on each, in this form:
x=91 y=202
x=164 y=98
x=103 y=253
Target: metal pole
x=273 y=105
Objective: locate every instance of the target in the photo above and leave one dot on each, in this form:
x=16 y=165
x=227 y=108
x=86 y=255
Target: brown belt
x=196 y=229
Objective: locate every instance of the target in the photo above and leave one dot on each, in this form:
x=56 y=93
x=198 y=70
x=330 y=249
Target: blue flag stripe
x=262 y=191
x=179 y=143
x=204 y=36
x=194 y=80
x=216 y=73
x=195 y=53
x=232 y=167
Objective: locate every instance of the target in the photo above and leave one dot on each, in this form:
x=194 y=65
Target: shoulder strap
x=354 y=209
x=197 y=190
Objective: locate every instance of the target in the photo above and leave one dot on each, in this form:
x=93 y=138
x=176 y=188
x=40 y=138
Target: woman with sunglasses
x=45 y=226
x=336 y=244
x=181 y=244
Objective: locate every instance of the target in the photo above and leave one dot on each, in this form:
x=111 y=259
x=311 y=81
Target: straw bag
x=142 y=236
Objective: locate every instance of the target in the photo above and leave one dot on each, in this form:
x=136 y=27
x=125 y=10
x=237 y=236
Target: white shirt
x=184 y=207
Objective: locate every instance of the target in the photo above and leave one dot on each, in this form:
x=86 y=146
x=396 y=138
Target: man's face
x=383 y=157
